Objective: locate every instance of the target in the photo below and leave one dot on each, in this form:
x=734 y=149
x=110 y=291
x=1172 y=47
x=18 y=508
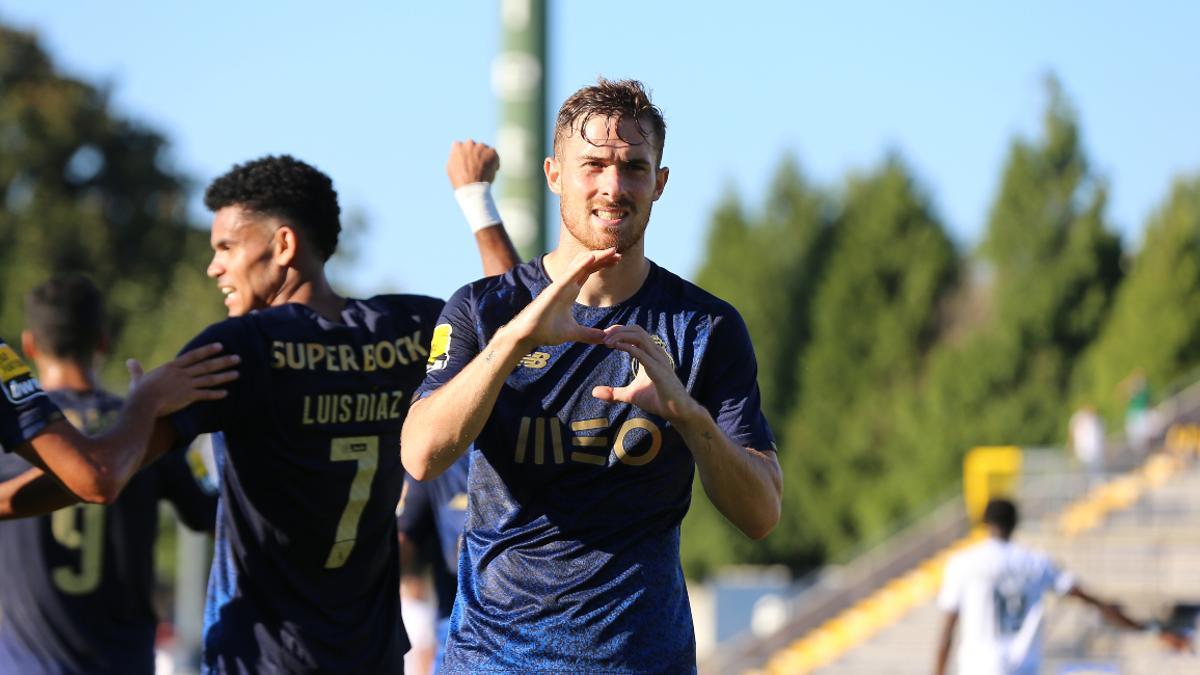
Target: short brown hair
x=612 y=98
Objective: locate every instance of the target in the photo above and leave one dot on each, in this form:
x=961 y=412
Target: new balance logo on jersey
x=535 y=360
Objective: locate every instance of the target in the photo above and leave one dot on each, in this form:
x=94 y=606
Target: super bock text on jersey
x=570 y=557
x=76 y=594
x=24 y=408
x=306 y=572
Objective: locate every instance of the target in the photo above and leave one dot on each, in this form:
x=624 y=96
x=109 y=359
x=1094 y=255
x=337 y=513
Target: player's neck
x=312 y=291
x=60 y=374
x=609 y=286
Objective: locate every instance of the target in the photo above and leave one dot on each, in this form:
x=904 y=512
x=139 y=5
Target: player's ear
x=286 y=244
x=660 y=181
x=553 y=170
x=28 y=344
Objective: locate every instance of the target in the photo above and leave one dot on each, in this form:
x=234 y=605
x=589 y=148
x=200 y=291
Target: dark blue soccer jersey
x=432 y=512
x=75 y=596
x=24 y=408
x=570 y=556
x=306 y=573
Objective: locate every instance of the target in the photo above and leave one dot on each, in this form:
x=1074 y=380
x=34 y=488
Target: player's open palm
x=548 y=319
x=656 y=388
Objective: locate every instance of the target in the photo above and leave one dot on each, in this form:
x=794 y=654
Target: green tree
x=1056 y=265
x=1155 y=321
x=875 y=317
x=767 y=266
x=85 y=189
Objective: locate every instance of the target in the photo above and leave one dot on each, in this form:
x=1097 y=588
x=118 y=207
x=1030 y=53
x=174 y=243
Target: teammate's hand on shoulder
x=187 y=378
x=471 y=162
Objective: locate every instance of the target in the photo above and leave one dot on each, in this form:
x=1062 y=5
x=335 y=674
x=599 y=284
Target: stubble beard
x=624 y=238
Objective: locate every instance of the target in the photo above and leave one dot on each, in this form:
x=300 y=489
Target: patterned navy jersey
x=306 y=572
x=24 y=408
x=570 y=556
x=431 y=513
x=76 y=593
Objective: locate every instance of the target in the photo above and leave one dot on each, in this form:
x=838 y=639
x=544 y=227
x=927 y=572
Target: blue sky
x=374 y=93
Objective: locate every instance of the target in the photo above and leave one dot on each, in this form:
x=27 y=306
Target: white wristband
x=475 y=200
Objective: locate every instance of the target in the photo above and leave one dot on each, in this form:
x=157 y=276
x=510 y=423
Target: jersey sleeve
x=1055 y=578
x=728 y=386
x=182 y=480
x=455 y=342
x=208 y=416
x=25 y=410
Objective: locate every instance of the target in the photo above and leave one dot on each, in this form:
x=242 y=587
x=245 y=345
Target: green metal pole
x=519 y=81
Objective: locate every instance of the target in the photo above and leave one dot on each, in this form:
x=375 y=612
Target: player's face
x=244 y=259
x=606 y=183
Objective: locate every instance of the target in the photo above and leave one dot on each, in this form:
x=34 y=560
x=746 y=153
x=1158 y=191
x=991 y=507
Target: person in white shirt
x=1086 y=436
x=994 y=591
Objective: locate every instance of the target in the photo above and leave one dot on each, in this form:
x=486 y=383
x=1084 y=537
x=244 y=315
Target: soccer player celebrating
x=305 y=576
x=993 y=593
x=594 y=384
x=76 y=593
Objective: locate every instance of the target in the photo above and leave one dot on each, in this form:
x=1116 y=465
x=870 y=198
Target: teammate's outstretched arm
x=1116 y=616
x=440 y=426
x=745 y=484
x=472 y=169
x=97 y=469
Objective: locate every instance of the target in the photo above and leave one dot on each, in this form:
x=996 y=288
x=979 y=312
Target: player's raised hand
x=656 y=388
x=187 y=378
x=548 y=320
x=471 y=162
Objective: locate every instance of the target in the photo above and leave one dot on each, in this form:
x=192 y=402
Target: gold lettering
x=655 y=442
x=416 y=350
x=316 y=353
x=368 y=358
x=389 y=360
x=397 y=398
x=588 y=425
x=585 y=458
x=331 y=358
x=277 y=359
x=364 y=406
x=306 y=416
x=346 y=352
x=346 y=403
x=295 y=356
x=381 y=406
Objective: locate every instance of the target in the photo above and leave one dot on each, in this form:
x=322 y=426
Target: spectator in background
x=1138 y=426
x=75 y=596
x=1086 y=438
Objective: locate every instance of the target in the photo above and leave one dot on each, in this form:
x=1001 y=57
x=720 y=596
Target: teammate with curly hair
x=305 y=573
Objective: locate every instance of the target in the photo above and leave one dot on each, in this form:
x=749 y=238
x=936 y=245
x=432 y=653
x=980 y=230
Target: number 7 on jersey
x=365 y=451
